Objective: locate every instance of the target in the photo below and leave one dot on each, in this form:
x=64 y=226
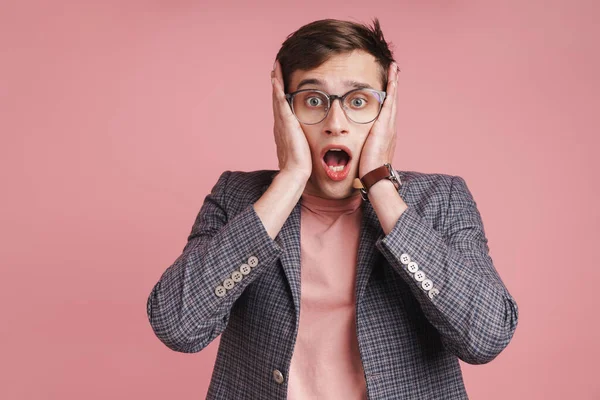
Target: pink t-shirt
x=326 y=361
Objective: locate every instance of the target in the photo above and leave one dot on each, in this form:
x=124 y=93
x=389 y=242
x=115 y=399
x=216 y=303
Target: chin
x=324 y=187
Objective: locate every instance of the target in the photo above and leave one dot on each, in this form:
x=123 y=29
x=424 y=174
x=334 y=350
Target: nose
x=336 y=122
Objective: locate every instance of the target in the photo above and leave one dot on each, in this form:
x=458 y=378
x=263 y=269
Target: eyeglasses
x=311 y=106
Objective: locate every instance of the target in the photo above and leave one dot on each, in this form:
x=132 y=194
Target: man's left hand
x=381 y=142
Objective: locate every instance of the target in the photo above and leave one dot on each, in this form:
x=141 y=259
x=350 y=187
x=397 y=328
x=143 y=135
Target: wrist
x=374 y=176
x=295 y=178
x=363 y=170
x=380 y=187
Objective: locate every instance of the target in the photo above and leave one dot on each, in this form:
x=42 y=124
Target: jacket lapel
x=370 y=232
x=289 y=240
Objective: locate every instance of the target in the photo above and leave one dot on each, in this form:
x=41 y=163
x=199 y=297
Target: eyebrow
x=318 y=82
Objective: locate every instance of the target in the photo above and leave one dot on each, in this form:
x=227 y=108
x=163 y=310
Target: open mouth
x=336 y=159
x=336 y=162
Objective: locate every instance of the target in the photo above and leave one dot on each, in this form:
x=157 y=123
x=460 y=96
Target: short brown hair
x=314 y=43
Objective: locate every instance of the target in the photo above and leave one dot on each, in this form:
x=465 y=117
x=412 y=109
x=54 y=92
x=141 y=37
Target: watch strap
x=386 y=171
x=374 y=176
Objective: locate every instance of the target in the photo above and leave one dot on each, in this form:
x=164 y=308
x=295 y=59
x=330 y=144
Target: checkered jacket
x=427 y=293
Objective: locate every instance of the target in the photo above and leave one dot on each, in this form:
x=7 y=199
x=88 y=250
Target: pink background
x=117 y=117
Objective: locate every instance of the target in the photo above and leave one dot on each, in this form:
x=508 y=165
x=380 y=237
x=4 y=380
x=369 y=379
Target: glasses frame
x=331 y=98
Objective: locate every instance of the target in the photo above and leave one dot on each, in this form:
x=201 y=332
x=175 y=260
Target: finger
x=277 y=70
x=394 y=113
x=392 y=83
x=280 y=103
x=386 y=111
x=274 y=92
x=277 y=92
x=395 y=102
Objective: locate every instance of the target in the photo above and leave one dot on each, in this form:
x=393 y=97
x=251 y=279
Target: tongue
x=335 y=158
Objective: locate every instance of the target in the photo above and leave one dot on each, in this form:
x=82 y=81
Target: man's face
x=340 y=74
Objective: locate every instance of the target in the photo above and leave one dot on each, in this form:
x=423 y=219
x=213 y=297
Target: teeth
x=336 y=169
x=335 y=149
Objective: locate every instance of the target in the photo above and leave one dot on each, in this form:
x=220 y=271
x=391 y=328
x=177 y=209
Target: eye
x=314 y=101
x=358 y=102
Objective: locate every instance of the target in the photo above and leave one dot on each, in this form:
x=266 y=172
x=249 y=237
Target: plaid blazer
x=427 y=293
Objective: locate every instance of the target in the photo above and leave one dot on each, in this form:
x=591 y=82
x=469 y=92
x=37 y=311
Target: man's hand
x=381 y=142
x=293 y=151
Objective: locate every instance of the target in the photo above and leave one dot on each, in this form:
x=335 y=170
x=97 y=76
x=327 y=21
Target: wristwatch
x=386 y=171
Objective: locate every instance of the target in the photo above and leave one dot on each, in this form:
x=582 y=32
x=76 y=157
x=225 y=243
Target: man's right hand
x=293 y=151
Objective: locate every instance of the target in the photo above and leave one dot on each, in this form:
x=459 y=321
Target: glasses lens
x=310 y=107
x=363 y=105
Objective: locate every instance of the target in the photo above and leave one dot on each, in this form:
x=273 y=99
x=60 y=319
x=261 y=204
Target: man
x=323 y=291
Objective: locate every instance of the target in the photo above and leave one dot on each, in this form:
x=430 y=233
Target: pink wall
x=116 y=118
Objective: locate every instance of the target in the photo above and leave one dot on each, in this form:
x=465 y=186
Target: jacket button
x=237 y=276
x=404 y=258
x=427 y=284
x=220 y=291
x=420 y=276
x=228 y=283
x=278 y=376
x=245 y=269
x=253 y=261
x=412 y=267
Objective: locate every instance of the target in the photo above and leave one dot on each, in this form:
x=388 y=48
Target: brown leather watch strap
x=375 y=176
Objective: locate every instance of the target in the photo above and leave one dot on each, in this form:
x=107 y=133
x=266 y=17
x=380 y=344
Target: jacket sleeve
x=190 y=305
x=453 y=277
